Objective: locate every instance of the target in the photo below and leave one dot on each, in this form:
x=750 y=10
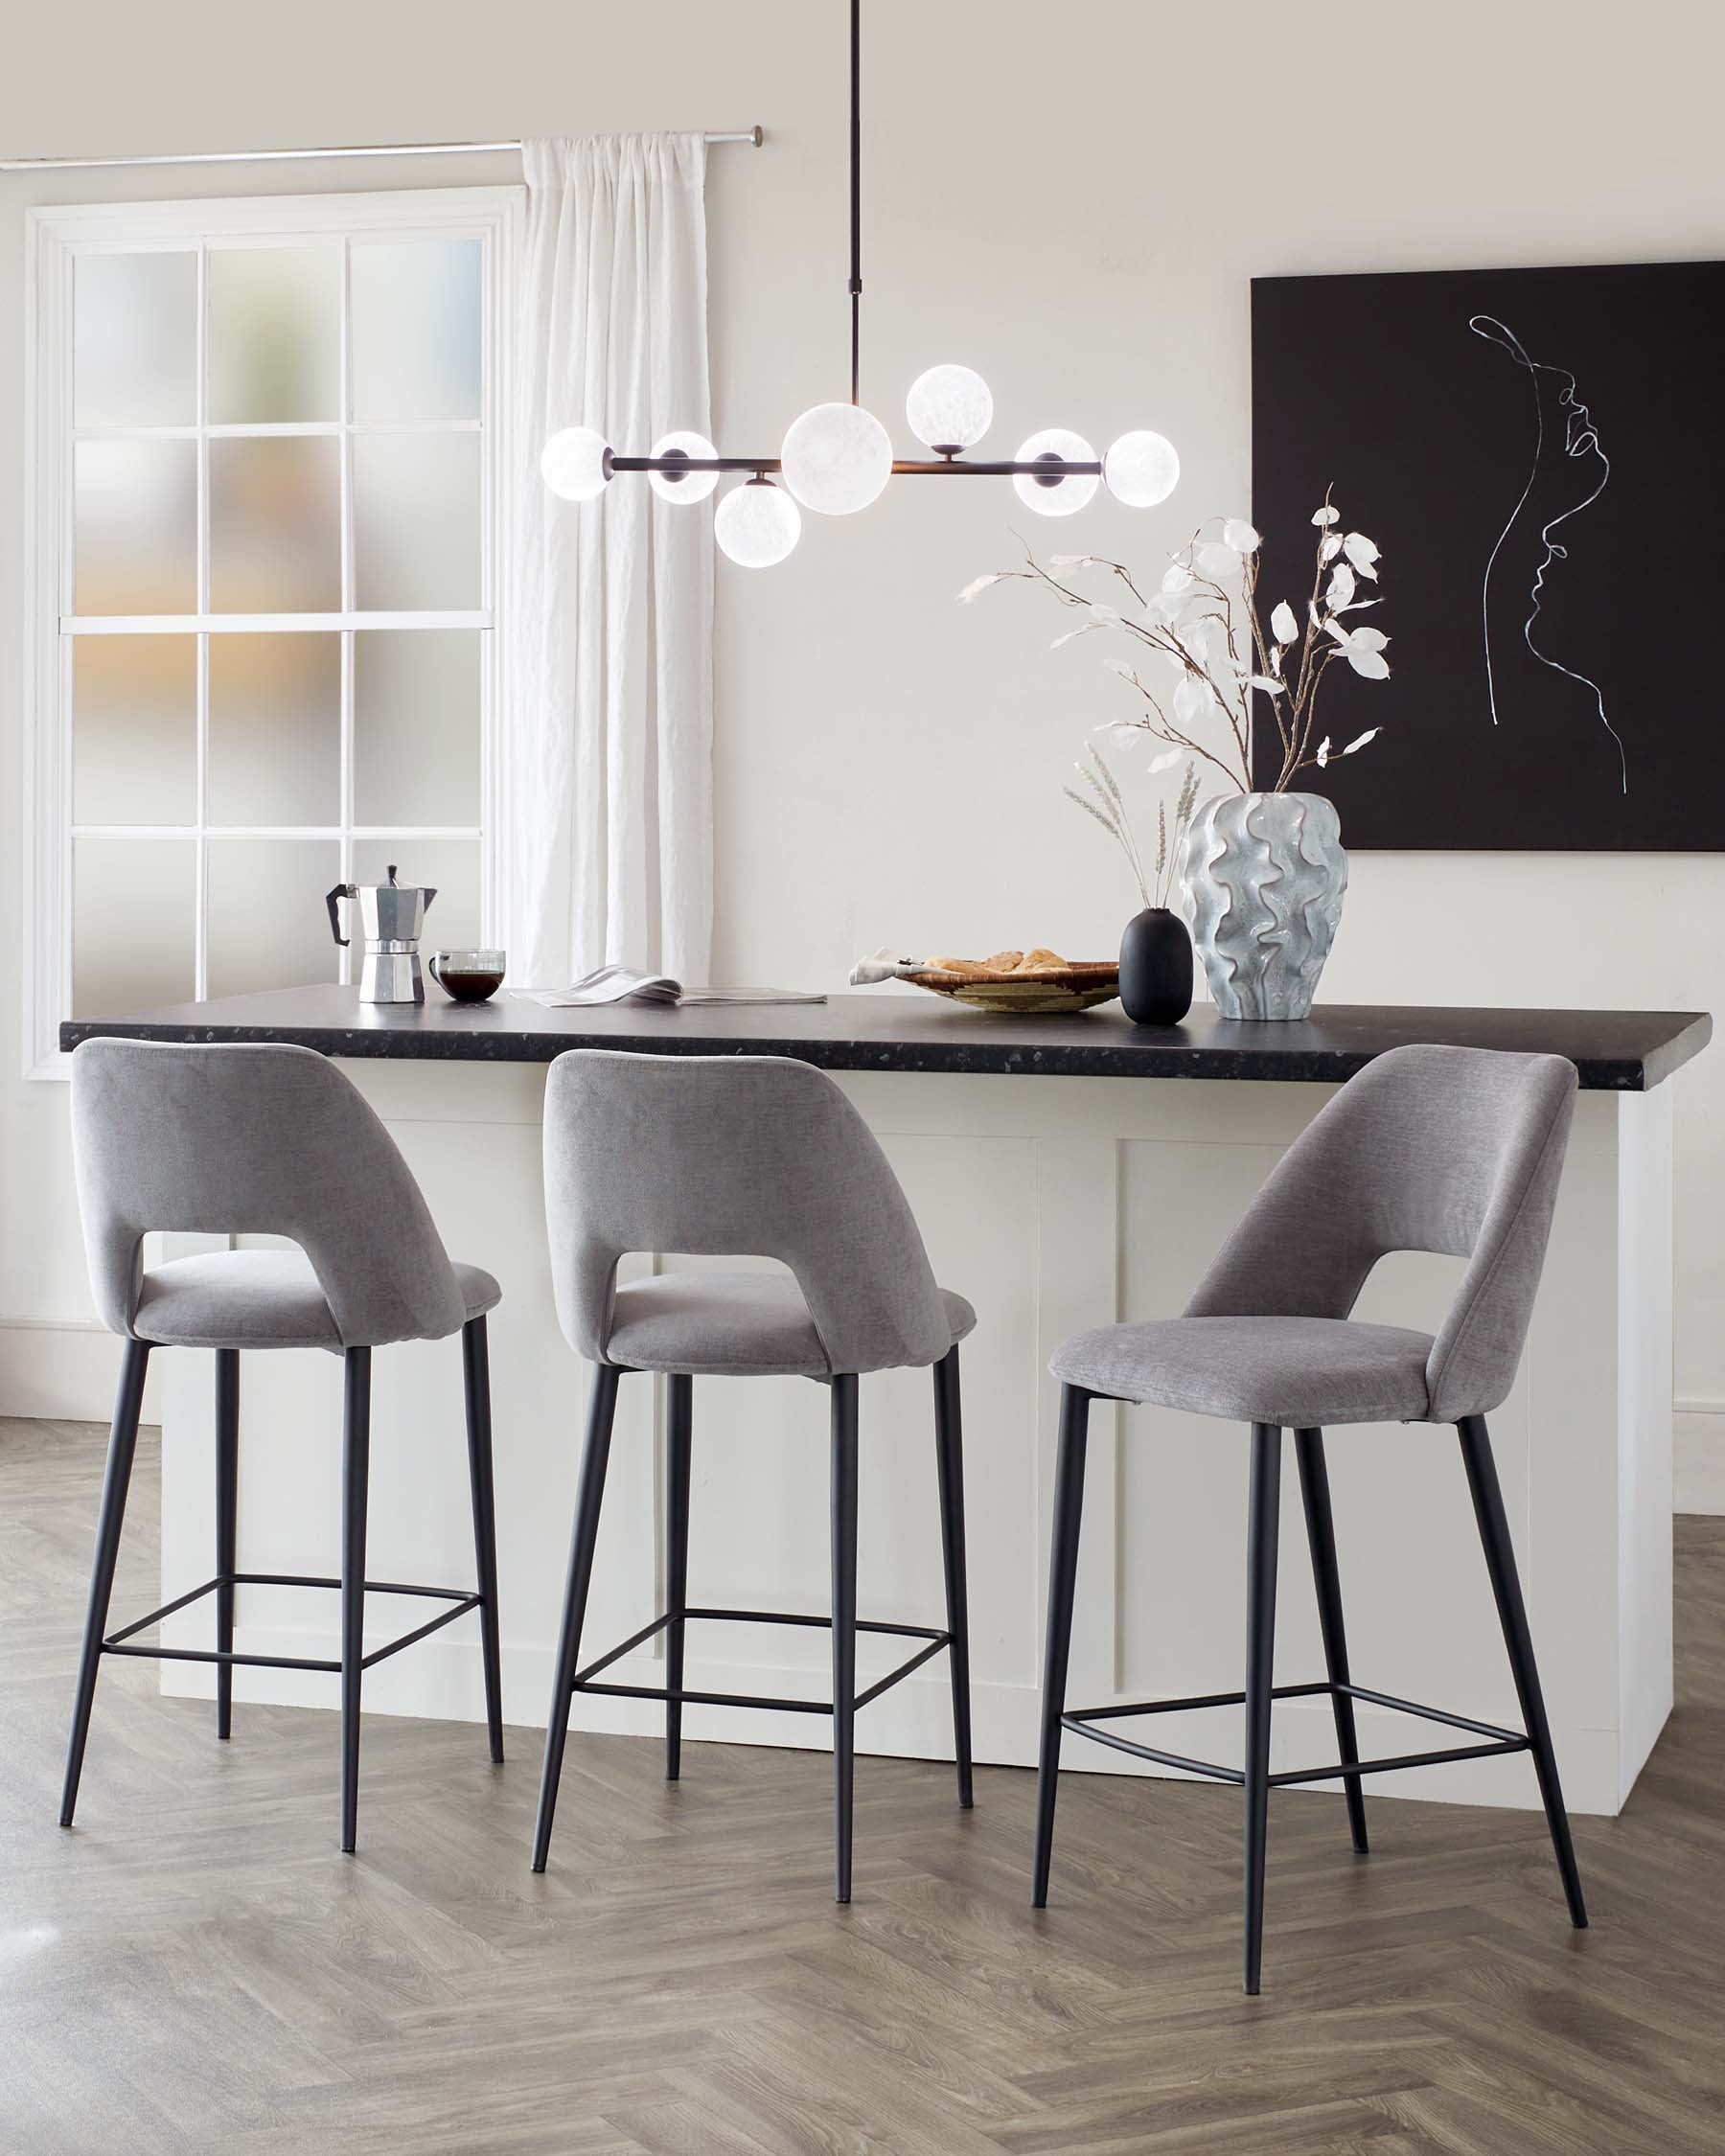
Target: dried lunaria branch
x=1204 y=624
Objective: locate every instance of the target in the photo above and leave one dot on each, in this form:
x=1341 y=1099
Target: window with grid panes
x=275 y=617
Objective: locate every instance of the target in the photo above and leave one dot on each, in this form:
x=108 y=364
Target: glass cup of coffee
x=467 y=976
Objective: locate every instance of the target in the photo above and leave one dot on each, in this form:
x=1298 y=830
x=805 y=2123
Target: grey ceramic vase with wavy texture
x=1263 y=877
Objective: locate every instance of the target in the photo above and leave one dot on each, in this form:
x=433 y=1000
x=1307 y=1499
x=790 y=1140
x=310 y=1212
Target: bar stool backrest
x=1428 y=1148
x=235 y=1139
x=733 y=1155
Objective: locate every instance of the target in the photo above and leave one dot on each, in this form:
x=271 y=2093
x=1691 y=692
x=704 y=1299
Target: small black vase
x=1156 y=968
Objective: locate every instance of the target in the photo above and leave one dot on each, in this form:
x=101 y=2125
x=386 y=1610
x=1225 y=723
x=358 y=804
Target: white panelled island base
x=1057 y=1192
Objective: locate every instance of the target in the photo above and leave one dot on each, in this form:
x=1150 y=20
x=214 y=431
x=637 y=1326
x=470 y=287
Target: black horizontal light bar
x=1049 y=470
x=677 y=466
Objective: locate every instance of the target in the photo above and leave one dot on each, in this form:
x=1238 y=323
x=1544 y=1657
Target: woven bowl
x=1073 y=987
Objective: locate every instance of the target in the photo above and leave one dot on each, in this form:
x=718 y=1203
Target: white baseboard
x=1698 y=1457
x=63 y=1370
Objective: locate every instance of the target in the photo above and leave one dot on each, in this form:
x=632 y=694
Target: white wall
x=1072 y=201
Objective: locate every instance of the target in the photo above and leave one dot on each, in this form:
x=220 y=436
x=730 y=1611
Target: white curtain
x=611 y=779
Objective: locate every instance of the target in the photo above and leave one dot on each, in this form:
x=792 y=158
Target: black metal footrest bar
x=583 y=1681
x=461 y=1598
x=1405 y=1759
x=1083 y=1721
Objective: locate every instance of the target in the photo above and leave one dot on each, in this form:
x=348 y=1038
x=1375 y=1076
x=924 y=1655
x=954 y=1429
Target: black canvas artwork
x=1539 y=454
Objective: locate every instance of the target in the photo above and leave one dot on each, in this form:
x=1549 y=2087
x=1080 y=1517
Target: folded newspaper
x=624 y=984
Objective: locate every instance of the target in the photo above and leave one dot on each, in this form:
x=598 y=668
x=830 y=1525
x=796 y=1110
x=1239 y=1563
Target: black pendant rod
x=856 y=197
x=1047 y=470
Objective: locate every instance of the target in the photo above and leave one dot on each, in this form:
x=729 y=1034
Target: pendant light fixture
x=837 y=458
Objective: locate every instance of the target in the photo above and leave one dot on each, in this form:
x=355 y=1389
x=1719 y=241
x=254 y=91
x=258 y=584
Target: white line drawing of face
x=1581 y=443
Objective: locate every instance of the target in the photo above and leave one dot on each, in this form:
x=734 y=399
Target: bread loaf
x=1002 y=962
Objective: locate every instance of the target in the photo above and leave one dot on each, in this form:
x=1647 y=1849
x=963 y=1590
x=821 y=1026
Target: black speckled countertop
x=1614 y=1051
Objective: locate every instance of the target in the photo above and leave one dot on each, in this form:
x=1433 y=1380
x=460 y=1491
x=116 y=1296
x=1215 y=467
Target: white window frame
x=55 y=238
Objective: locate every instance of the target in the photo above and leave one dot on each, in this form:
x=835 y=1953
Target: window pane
x=137 y=511
x=134 y=729
x=133 y=903
x=269 y=924
x=275 y=333
x=416 y=315
x=449 y=866
x=135 y=340
x=416 y=725
x=416 y=520
x=275 y=526
x=275 y=729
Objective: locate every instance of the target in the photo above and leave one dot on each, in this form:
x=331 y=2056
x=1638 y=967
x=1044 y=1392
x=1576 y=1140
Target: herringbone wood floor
x=195 y=1968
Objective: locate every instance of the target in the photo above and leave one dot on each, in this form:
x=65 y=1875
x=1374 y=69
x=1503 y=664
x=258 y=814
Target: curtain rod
x=755 y=136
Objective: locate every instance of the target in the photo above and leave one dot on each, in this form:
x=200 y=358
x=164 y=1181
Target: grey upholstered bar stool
x=733 y=1155
x=241 y=1140
x=1453 y=1150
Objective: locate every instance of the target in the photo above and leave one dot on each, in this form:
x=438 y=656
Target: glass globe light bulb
x=837 y=458
x=1055 y=497
x=683 y=485
x=949 y=408
x=1142 y=468
x=576 y=464
x=757 y=524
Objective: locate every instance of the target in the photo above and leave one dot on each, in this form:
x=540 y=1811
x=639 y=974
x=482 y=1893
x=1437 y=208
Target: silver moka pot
x=392 y=918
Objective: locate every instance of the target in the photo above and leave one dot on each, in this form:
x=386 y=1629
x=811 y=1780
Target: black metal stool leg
x=476 y=1377
x=844 y=1626
x=1263 y=1520
x=227 y=1533
x=1506 y=1586
x=602 y=1409
x=1320 y=1536
x=948 y=1452
x=679 y=1433
x=1062 y=1576
x=356 y=1474
x=122 y=1444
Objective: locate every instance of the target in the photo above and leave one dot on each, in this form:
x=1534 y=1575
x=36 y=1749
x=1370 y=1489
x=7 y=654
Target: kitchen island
x=1100 y=1192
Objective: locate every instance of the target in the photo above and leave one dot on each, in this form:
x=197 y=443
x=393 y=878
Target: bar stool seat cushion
x=258 y=1298
x=732 y=1324
x=1298 y=1372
